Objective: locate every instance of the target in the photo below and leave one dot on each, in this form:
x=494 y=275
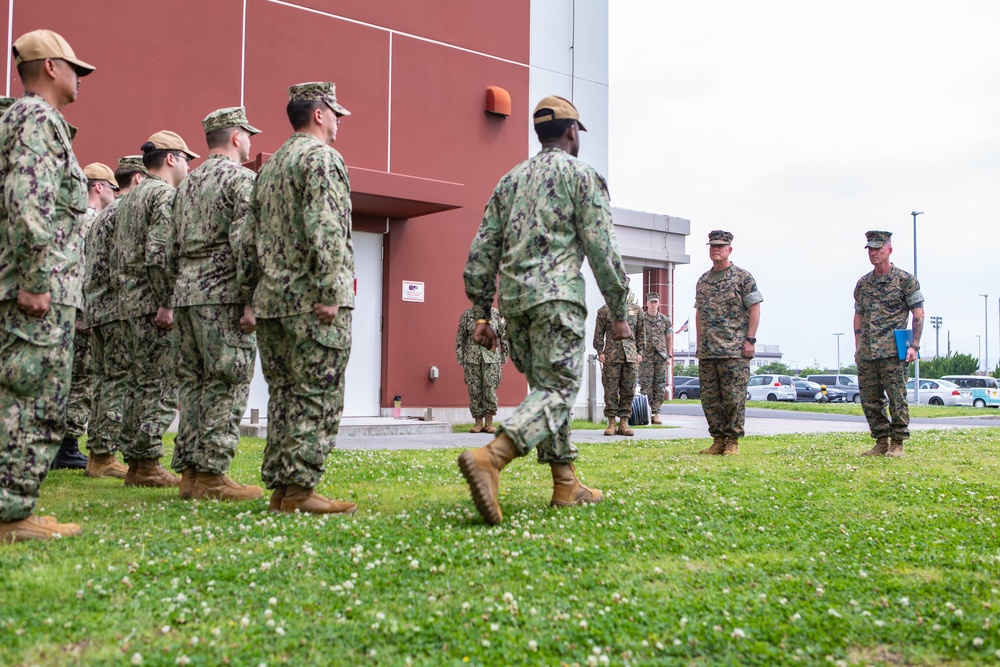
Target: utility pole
x=936 y=323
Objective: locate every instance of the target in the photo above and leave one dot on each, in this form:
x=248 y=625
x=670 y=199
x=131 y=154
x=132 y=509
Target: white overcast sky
x=798 y=126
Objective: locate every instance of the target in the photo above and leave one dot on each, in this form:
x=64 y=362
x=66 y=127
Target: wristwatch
x=752 y=341
x=915 y=347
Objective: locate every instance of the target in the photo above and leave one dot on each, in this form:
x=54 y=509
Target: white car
x=771 y=388
x=935 y=392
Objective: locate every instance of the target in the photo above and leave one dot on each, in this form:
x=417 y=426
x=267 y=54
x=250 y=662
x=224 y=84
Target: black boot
x=69 y=455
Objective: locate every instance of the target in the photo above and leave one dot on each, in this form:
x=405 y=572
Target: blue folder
x=904 y=337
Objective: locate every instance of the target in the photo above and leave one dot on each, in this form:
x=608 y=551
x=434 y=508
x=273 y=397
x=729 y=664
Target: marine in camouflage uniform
x=883 y=301
x=44 y=197
x=213 y=356
x=728 y=305
x=619 y=366
x=101 y=188
x=658 y=351
x=543 y=218
x=482 y=367
x=146 y=307
x=299 y=266
x=111 y=361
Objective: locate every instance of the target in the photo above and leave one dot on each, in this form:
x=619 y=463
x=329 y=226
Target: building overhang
x=651 y=239
x=387 y=195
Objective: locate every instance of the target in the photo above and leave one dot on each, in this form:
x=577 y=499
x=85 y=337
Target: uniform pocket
x=30 y=347
x=336 y=335
x=236 y=357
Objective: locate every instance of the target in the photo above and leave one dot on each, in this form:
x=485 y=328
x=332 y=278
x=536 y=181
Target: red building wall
x=413 y=75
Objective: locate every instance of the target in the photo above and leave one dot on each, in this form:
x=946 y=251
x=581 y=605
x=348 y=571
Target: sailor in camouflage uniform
x=214 y=343
x=620 y=361
x=44 y=197
x=543 y=218
x=883 y=301
x=655 y=357
x=728 y=305
x=101 y=191
x=481 y=368
x=111 y=361
x=147 y=308
x=298 y=266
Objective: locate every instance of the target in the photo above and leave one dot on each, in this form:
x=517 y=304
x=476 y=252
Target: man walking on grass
x=544 y=217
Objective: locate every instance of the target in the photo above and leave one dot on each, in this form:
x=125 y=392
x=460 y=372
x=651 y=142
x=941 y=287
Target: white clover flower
x=272 y=601
x=182 y=660
x=136 y=658
x=165 y=629
x=414 y=564
x=863 y=574
x=280 y=631
x=833 y=612
x=245 y=621
x=977 y=642
x=532 y=645
x=677 y=642
x=583 y=624
x=905 y=601
x=737 y=633
x=795 y=617
x=591 y=661
x=379 y=616
x=485 y=643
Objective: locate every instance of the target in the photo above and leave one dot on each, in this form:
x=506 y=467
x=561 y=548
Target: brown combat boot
x=623 y=428
x=212 y=486
x=732 y=447
x=717 y=448
x=895 y=449
x=104 y=465
x=481 y=468
x=656 y=419
x=478 y=427
x=567 y=489
x=277 y=495
x=188 y=476
x=35 y=528
x=149 y=472
x=880 y=448
x=300 y=499
x=488 y=424
x=612 y=428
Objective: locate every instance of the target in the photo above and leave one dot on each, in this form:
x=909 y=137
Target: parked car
x=846 y=383
x=806 y=391
x=683 y=379
x=934 y=392
x=691 y=389
x=771 y=388
x=984 y=391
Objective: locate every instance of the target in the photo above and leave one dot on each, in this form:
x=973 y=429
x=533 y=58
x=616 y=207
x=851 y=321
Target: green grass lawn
x=796 y=552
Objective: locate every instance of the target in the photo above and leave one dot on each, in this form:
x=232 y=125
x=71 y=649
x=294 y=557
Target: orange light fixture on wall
x=497 y=101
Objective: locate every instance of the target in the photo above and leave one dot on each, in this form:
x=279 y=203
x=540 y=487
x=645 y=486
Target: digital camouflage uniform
x=620 y=370
x=81 y=390
x=44 y=197
x=884 y=303
x=140 y=243
x=723 y=300
x=481 y=366
x=653 y=369
x=109 y=349
x=298 y=253
x=213 y=357
x=543 y=218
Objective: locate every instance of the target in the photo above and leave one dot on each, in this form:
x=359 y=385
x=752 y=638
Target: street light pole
x=916 y=364
x=838 y=335
x=936 y=323
x=979 y=343
x=986 y=333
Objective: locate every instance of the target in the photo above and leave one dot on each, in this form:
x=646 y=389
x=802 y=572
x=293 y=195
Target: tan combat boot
x=880 y=448
x=149 y=472
x=488 y=424
x=277 y=495
x=623 y=428
x=717 y=448
x=656 y=419
x=104 y=465
x=212 y=486
x=732 y=447
x=481 y=468
x=567 y=489
x=478 y=427
x=300 y=499
x=895 y=449
x=612 y=427
x=188 y=477
x=35 y=528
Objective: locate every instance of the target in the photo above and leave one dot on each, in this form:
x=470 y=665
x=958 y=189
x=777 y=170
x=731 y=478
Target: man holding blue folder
x=883 y=301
